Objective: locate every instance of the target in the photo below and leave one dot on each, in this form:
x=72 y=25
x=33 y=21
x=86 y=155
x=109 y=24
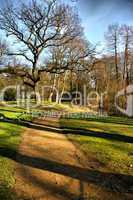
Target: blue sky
x=96 y=15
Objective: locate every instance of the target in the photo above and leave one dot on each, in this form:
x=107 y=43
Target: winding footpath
x=47 y=170
x=50 y=167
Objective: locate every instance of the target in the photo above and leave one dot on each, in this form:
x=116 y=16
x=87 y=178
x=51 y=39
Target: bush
x=10 y=95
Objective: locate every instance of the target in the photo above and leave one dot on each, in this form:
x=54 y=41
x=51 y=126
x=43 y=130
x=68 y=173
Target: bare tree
x=74 y=57
x=3 y=52
x=36 y=26
x=127 y=37
x=77 y=55
x=112 y=37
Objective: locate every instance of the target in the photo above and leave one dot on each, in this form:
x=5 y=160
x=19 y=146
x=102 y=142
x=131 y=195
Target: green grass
x=19 y=113
x=10 y=112
x=10 y=136
x=98 y=126
x=114 y=155
x=14 y=111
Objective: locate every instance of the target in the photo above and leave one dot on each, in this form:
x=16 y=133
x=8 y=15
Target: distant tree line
x=49 y=48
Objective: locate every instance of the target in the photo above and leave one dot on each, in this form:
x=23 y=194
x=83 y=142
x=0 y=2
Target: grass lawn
x=10 y=112
x=14 y=112
x=113 y=155
x=107 y=144
x=10 y=136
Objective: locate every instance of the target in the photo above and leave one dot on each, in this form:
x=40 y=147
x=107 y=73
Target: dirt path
x=46 y=172
x=50 y=167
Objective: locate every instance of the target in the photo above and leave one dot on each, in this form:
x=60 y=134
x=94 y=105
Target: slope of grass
x=10 y=136
x=116 y=156
x=22 y=113
x=101 y=127
x=10 y=112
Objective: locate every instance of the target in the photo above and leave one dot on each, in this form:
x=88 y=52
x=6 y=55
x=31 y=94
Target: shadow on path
x=105 y=135
x=118 y=182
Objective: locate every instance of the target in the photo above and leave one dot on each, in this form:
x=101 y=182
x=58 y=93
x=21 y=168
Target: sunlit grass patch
x=10 y=137
x=116 y=155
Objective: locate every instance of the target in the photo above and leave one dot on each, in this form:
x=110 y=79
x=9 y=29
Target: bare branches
x=77 y=55
x=113 y=41
x=37 y=26
x=3 y=50
x=21 y=54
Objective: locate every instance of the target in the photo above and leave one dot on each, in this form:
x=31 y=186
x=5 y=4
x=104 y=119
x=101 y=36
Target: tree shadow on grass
x=110 y=181
x=84 y=132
